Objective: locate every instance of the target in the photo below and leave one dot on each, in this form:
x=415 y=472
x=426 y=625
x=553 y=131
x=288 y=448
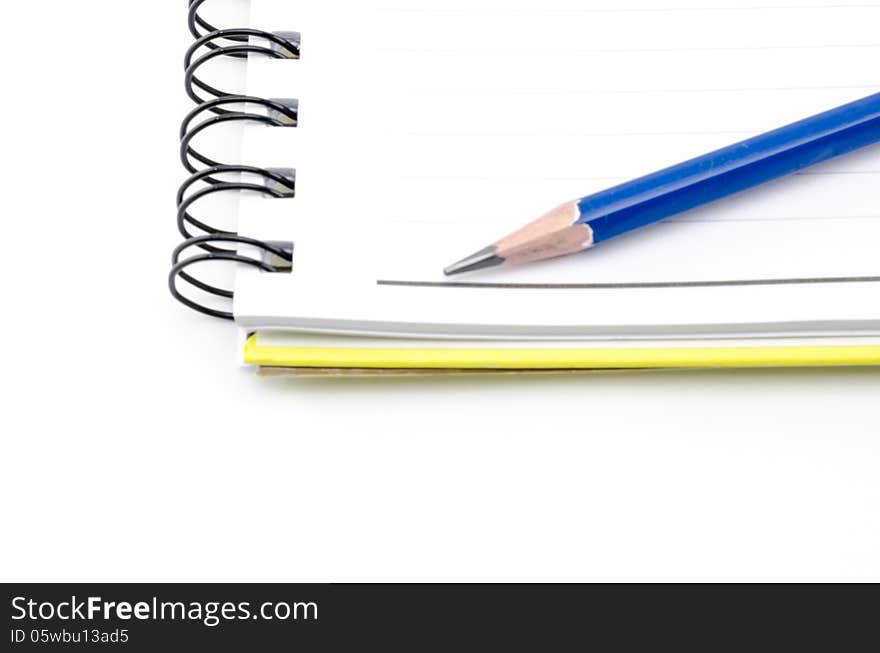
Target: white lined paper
x=439 y=125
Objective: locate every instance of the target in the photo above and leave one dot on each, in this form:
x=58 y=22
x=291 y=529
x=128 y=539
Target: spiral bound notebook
x=381 y=139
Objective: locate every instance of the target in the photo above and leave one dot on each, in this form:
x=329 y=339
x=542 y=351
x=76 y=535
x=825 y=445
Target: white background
x=135 y=448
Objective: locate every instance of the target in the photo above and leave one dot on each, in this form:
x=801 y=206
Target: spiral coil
x=209 y=176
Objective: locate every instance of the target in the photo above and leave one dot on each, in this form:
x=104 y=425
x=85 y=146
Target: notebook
x=427 y=129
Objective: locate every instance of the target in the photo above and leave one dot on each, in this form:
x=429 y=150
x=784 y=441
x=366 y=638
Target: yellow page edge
x=549 y=359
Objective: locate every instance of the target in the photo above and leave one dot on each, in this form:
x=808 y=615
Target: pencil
x=579 y=225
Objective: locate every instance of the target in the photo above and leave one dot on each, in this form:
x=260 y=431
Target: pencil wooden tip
x=485 y=258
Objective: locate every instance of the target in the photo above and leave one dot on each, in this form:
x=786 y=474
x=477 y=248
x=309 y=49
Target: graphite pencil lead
x=485 y=258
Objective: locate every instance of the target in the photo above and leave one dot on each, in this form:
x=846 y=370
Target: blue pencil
x=581 y=224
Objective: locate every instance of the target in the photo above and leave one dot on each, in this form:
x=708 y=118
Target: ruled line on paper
x=814 y=173
x=673 y=220
x=833 y=46
x=708 y=132
x=631 y=285
x=597 y=134
x=623 y=10
x=652 y=91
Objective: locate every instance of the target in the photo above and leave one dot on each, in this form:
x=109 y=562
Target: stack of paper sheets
x=428 y=129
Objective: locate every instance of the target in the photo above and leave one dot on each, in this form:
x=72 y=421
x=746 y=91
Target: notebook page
x=430 y=129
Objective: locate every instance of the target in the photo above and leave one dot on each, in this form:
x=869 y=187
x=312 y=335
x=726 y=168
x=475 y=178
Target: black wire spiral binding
x=209 y=176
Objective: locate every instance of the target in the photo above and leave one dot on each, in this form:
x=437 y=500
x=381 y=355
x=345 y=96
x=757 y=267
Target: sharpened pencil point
x=485 y=258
